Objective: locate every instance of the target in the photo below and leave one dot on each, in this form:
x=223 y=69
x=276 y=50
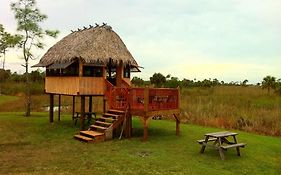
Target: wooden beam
x=73 y=106
x=82 y=116
x=90 y=103
x=177 y=125
x=128 y=130
x=59 y=110
x=146 y=99
x=179 y=98
x=51 y=112
x=145 y=121
x=104 y=104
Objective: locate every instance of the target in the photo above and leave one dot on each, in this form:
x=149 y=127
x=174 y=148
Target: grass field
x=33 y=146
x=235 y=107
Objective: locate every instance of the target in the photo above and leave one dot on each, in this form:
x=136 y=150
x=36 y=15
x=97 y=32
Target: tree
x=278 y=87
x=244 y=83
x=268 y=83
x=138 y=81
x=158 y=79
x=172 y=83
x=7 y=41
x=28 y=17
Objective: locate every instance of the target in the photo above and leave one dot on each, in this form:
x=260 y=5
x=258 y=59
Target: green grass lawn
x=33 y=146
x=7 y=98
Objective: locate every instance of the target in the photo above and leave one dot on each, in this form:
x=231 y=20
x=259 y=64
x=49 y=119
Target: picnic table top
x=221 y=134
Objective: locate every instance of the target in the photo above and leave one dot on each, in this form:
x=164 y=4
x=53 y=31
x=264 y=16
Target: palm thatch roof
x=93 y=45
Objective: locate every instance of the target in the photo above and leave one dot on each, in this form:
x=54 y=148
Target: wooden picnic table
x=220 y=141
x=89 y=115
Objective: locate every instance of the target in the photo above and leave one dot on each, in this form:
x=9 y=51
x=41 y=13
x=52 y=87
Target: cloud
x=185 y=38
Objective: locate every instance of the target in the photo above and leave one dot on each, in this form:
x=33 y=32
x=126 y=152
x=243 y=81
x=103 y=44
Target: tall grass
x=235 y=107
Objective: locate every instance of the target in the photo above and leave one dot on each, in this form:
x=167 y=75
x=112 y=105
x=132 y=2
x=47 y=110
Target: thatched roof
x=94 y=45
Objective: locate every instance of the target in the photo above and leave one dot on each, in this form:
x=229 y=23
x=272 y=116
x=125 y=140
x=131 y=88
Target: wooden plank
x=116 y=111
x=91 y=86
x=209 y=140
x=91 y=133
x=104 y=123
x=62 y=85
x=107 y=119
x=75 y=85
x=234 y=145
x=83 y=138
x=82 y=116
x=73 y=107
x=146 y=99
x=221 y=134
x=59 y=111
x=111 y=115
x=51 y=112
x=98 y=127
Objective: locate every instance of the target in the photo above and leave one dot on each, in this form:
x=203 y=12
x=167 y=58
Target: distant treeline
x=159 y=80
x=36 y=77
x=14 y=83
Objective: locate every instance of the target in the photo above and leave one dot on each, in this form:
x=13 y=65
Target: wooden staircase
x=103 y=127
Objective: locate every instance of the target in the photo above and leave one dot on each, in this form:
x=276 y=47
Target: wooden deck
x=146 y=103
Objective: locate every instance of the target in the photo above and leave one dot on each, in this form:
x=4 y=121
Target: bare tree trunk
x=27 y=92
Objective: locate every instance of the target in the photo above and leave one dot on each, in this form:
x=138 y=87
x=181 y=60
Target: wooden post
x=51 y=112
x=82 y=116
x=145 y=130
x=146 y=99
x=119 y=73
x=177 y=124
x=145 y=121
x=104 y=104
x=73 y=106
x=128 y=130
x=90 y=104
x=179 y=98
x=59 y=107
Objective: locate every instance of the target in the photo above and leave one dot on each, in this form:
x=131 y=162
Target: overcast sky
x=231 y=40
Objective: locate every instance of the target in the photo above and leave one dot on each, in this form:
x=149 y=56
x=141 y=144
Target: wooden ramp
x=103 y=127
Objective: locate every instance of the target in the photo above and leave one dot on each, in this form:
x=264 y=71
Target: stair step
x=116 y=111
x=91 y=134
x=83 y=138
x=103 y=123
x=98 y=127
x=111 y=115
x=108 y=119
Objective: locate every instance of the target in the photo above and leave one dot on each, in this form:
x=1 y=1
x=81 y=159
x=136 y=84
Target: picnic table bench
x=89 y=115
x=219 y=140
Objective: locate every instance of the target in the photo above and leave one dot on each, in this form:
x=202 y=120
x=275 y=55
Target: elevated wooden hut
x=95 y=62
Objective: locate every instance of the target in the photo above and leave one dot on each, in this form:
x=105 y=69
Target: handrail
x=143 y=99
x=124 y=84
x=124 y=121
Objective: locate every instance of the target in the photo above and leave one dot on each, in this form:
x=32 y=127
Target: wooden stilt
x=145 y=128
x=59 y=108
x=104 y=104
x=128 y=129
x=82 y=117
x=90 y=103
x=51 y=112
x=73 y=107
x=177 y=125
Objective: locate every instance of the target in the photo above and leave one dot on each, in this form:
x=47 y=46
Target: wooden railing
x=144 y=99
